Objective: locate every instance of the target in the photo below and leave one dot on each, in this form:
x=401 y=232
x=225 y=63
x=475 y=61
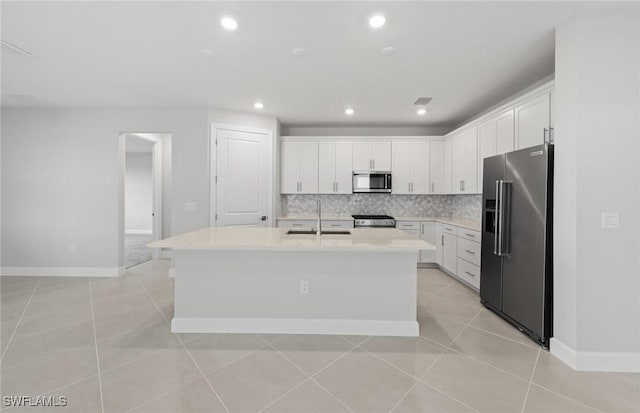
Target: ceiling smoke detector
x=422 y=100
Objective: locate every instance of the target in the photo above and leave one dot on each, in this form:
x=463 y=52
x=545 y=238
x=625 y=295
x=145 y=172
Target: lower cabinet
x=428 y=234
x=450 y=253
x=412 y=228
x=458 y=252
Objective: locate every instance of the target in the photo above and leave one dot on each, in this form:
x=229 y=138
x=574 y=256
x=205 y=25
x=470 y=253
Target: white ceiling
x=467 y=55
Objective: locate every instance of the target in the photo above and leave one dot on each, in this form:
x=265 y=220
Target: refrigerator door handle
x=496 y=246
x=505 y=196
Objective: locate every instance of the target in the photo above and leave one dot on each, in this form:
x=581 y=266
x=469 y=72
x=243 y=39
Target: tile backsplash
x=460 y=206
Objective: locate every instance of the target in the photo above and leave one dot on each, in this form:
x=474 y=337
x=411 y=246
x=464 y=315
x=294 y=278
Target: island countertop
x=212 y=238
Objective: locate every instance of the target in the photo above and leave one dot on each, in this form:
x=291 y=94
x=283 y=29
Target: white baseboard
x=595 y=360
x=64 y=271
x=294 y=326
x=138 y=231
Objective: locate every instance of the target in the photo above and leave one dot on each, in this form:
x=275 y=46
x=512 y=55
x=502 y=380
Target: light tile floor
x=106 y=345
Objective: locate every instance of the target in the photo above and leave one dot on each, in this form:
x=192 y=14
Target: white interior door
x=243 y=173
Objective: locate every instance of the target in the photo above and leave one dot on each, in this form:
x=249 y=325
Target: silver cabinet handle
x=422 y=229
x=467 y=272
x=433 y=187
x=335 y=225
x=336 y=187
x=470 y=235
x=470 y=252
x=448 y=229
x=408 y=186
x=544 y=135
x=373 y=161
x=441 y=239
x=297 y=225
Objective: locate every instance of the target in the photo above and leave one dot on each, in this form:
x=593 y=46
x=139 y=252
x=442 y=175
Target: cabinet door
x=486 y=144
x=450 y=253
x=308 y=167
x=381 y=155
x=505 y=133
x=401 y=168
x=439 y=243
x=436 y=167
x=420 y=160
x=361 y=156
x=448 y=165
x=471 y=162
x=531 y=120
x=344 y=167
x=289 y=168
x=428 y=234
x=459 y=151
x=326 y=167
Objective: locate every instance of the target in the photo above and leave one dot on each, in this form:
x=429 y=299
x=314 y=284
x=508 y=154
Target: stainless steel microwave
x=372 y=182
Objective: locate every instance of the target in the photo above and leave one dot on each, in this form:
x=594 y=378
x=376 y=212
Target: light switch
x=609 y=220
x=189 y=206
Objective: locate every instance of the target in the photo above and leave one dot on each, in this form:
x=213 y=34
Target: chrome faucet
x=319 y=225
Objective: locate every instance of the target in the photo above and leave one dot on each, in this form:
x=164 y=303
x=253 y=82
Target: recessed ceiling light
x=208 y=52
x=229 y=23
x=258 y=105
x=349 y=111
x=298 y=51
x=377 y=21
x=421 y=111
x=388 y=50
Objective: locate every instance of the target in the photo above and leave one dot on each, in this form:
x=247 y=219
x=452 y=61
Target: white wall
x=138 y=194
x=60 y=179
x=597 y=272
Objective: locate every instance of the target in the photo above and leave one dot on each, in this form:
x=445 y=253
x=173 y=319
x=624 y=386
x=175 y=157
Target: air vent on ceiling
x=422 y=100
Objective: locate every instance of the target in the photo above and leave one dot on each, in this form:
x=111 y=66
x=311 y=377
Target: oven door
x=372 y=182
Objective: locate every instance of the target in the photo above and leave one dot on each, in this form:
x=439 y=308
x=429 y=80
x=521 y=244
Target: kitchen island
x=263 y=280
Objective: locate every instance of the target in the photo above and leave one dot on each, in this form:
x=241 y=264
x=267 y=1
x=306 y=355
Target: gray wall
x=60 y=179
x=597 y=271
x=138 y=194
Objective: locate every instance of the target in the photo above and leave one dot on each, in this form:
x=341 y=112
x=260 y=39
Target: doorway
x=142 y=195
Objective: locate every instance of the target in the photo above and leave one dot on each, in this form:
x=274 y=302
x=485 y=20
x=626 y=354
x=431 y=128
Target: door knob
x=263 y=218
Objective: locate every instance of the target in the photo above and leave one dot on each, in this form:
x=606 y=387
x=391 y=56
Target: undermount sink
x=313 y=232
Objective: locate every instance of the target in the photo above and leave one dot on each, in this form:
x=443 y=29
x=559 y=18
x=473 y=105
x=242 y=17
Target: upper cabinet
x=448 y=165
x=495 y=136
x=464 y=161
x=410 y=167
x=436 y=168
x=371 y=155
x=299 y=167
x=335 y=169
x=533 y=121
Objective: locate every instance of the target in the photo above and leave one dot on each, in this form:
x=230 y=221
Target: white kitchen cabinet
x=495 y=136
x=335 y=167
x=410 y=167
x=450 y=253
x=464 y=164
x=299 y=167
x=439 y=243
x=448 y=165
x=532 y=121
x=428 y=234
x=436 y=167
x=371 y=155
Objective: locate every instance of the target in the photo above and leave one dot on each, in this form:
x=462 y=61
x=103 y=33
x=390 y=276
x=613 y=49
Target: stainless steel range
x=374 y=221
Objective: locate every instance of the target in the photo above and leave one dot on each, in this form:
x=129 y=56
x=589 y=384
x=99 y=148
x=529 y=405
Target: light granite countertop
x=385 y=239
x=458 y=222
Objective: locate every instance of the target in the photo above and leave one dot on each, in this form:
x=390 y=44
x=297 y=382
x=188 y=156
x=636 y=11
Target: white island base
x=351 y=291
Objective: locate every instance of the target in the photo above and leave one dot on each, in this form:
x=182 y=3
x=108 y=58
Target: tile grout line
x=24 y=311
x=95 y=341
x=568 y=398
x=309 y=376
x=526 y=395
x=183 y=346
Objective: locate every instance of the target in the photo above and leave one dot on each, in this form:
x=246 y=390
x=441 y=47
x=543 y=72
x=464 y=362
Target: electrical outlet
x=72 y=248
x=304 y=287
x=190 y=206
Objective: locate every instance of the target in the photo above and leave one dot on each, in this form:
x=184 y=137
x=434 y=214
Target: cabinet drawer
x=450 y=229
x=302 y=223
x=469 y=234
x=336 y=224
x=469 y=251
x=469 y=273
x=408 y=225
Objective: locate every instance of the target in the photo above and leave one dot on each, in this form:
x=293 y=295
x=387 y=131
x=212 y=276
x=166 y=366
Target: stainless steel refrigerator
x=517 y=239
